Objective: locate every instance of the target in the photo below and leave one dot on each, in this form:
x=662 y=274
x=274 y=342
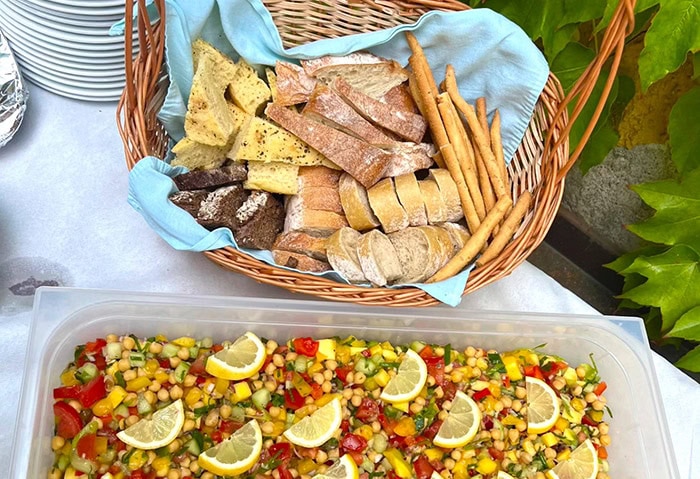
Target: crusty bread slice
x=385 y=205
x=327 y=106
x=341 y=249
x=248 y=91
x=409 y=157
x=399 y=98
x=273 y=176
x=378 y=258
x=318 y=176
x=322 y=198
x=198 y=156
x=439 y=250
x=319 y=222
x=370 y=74
x=409 y=126
x=299 y=261
x=435 y=206
x=413 y=249
x=208 y=119
x=303 y=243
x=353 y=197
x=450 y=195
x=362 y=160
x=411 y=199
x=294 y=86
x=458 y=234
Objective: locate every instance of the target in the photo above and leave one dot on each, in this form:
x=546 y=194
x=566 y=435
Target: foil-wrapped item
x=13 y=94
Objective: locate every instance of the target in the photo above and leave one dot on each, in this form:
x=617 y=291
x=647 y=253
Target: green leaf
x=688 y=325
x=652 y=323
x=570 y=64
x=625 y=260
x=691 y=361
x=576 y=11
x=672 y=283
x=684 y=131
x=641 y=6
x=555 y=41
x=673 y=33
x=696 y=66
x=603 y=139
x=677 y=217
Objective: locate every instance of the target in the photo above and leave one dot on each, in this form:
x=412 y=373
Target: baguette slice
x=440 y=249
x=385 y=205
x=318 y=222
x=294 y=85
x=413 y=249
x=327 y=106
x=372 y=75
x=458 y=234
x=362 y=160
x=302 y=243
x=272 y=176
x=435 y=206
x=342 y=255
x=299 y=261
x=411 y=199
x=409 y=157
x=321 y=198
x=353 y=197
x=450 y=195
x=407 y=125
x=378 y=258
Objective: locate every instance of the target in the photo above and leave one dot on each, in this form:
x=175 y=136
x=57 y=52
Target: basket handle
x=613 y=43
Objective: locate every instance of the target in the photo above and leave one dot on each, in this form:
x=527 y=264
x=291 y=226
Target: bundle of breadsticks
x=473 y=154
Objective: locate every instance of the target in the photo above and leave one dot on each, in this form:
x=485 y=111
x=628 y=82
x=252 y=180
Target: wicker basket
x=539 y=165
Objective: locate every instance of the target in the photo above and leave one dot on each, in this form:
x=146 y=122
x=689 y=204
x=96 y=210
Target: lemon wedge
x=542 y=406
x=235 y=455
x=461 y=424
x=409 y=380
x=581 y=464
x=317 y=428
x=240 y=360
x=158 y=431
x=343 y=468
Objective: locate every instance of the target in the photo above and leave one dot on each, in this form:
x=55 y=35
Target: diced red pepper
x=602 y=452
x=100 y=362
x=216 y=436
x=95 y=346
x=282 y=451
x=353 y=443
x=426 y=352
x=436 y=368
x=392 y=475
x=449 y=390
x=397 y=441
x=588 y=421
x=68 y=422
x=93 y=391
x=86 y=447
x=368 y=410
x=506 y=380
x=284 y=472
x=534 y=371
x=67 y=392
x=305 y=346
x=422 y=467
x=479 y=395
x=292 y=399
x=437 y=464
x=496 y=454
x=228 y=427
x=388 y=425
x=164 y=363
x=316 y=391
x=216 y=348
x=432 y=430
x=357 y=457
x=600 y=388
x=551 y=369
x=345 y=425
x=342 y=372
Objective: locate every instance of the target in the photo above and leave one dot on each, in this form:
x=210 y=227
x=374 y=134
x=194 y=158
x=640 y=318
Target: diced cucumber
x=193 y=448
x=238 y=414
x=181 y=371
x=113 y=350
x=417 y=346
x=169 y=350
x=206 y=343
x=137 y=360
x=365 y=366
x=143 y=406
x=261 y=398
x=300 y=364
x=86 y=373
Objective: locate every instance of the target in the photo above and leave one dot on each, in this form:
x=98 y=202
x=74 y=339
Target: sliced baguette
x=353 y=197
x=322 y=223
x=458 y=234
x=294 y=86
x=450 y=195
x=411 y=199
x=303 y=243
x=299 y=261
x=363 y=161
x=272 y=176
x=409 y=126
x=341 y=249
x=409 y=157
x=435 y=206
x=413 y=249
x=317 y=198
x=440 y=249
x=385 y=205
x=378 y=258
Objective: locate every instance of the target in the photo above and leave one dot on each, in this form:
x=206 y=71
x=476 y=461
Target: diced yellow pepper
x=561 y=424
x=510 y=420
x=221 y=385
x=103 y=407
x=71 y=473
x=305 y=466
x=376 y=349
x=316 y=367
x=151 y=367
x=326 y=349
x=161 y=339
x=529 y=447
x=113 y=369
x=141 y=382
x=528 y=356
x=356 y=350
x=184 y=341
x=389 y=355
x=301 y=385
x=512 y=367
x=387 y=345
x=161 y=377
x=549 y=439
x=381 y=378
x=460 y=470
x=489 y=403
x=434 y=454
x=405 y=427
x=486 y=465
x=241 y=392
x=137 y=460
x=277 y=428
x=100 y=444
x=597 y=416
x=563 y=455
x=495 y=390
x=358 y=343
x=511 y=455
x=192 y=396
x=365 y=431
x=325 y=399
x=398 y=463
x=401 y=406
x=161 y=465
x=342 y=353
x=68 y=378
x=479 y=385
x=116 y=396
x=282 y=415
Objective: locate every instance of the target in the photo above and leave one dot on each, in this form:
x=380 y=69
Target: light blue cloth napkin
x=492 y=57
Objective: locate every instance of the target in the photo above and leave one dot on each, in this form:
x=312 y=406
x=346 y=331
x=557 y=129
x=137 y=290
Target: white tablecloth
x=63 y=213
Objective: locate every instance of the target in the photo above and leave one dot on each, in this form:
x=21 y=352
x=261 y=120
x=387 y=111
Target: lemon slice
x=409 y=379
x=542 y=406
x=240 y=360
x=236 y=454
x=435 y=475
x=343 y=468
x=162 y=429
x=504 y=475
x=317 y=428
x=461 y=424
x=581 y=464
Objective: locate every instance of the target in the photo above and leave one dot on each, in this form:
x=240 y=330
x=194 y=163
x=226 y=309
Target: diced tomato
x=100 y=362
x=588 y=421
x=164 y=363
x=216 y=348
x=602 y=452
x=496 y=454
x=228 y=427
x=199 y=381
x=282 y=451
x=449 y=390
x=284 y=472
x=345 y=425
x=479 y=395
x=86 y=447
x=305 y=346
x=68 y=422
x=426 y=352
x=316 y=391
x=534 y=371
x=506 y=380
x=197 y=367
x=551 y=369
x=436 y=368
x=93 y=391
x=397 y=441
x=388 y=425
x=140 y=474
x=487 y=422
x=342 y=372
x=368 y=410
x=600 y=388
x=95 y=346
x=392 y=475
x=432 y=430
x=422 y=467
x=67 y=392
x=353 y=443
x=292 y=399
x=216 y=436
x=357 y=457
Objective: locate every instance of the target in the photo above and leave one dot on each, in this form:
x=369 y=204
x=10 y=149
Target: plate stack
x=64 y=45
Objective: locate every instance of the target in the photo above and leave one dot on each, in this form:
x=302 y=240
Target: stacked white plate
x=64 y=45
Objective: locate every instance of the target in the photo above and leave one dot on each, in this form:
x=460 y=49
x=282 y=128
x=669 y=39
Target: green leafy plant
x=662 y=278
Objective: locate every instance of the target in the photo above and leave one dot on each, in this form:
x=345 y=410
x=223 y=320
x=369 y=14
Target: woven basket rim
x=144 y=89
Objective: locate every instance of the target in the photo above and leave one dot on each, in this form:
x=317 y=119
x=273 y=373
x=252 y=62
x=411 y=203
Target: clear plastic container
x=64 y=318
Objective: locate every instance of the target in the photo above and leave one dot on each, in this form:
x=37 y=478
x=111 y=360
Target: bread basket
x=539 y=165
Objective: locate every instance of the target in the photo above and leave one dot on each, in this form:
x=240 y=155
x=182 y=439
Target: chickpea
x=128 y=342
x=513 y=435
x=270 y=369
x=278 y=360
x=507 y=401
x=605 y=440
x=189 y=380
x=326 y=387
x=331 y=364
x=577 y=390
x=525 y=458
x=360 y=378
x=456 y=454
x=174 y=473
x=415 y=408
x=431 y=381
x=270 y=386
x=163 y=395
x=350 y=378
x=347 y=393
x=291 y=356
x=175 y=362
x=124 y=365
x=188 y=425
x=550 y=453
x=318 y=378
x=155 y=348
x=420 y=400
x=496 y=434
x=131 y=420
x=194 y=467
x=559 y=383
x=175 y=393
x=603 y=428
x=207 y=475
x=499 y=445
x=274 y=411
x=267 y=427
x=590 y=397
x=150 y=397
x=57 y=442
x=154 y=386
x=450 y=463
x=111 y=338
x=271 y=346
x=212 y=418
x=470 y=352
x=598 y=405
x=327 y=374
x=321 y=456
x=376 y=426
x=356 y=401
x=55 y=473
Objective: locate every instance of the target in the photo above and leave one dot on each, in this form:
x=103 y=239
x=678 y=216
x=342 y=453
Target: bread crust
x=411 y=199
x=385 y=205
x=294 y=85
x=450 y=195
x=341 y=249
x=299 y=261
x=435 y=206
x=355 y=203
x=378 y=258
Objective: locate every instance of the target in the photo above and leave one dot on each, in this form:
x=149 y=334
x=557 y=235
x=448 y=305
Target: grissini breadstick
x=484 y=181
x=474 y=244
x=465 y=155
x=478 y=134
x=497 y=145
x=483 y=118
x=423 y=62
x=507 y=229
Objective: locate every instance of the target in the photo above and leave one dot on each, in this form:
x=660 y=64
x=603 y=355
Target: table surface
x=64 y=216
